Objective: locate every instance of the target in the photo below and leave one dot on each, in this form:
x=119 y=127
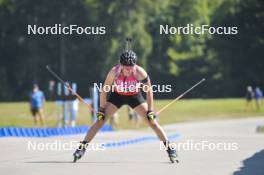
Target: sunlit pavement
x=145 y=157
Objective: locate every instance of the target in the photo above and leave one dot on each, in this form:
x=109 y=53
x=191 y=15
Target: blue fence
x=46 y=132
x=138 y=140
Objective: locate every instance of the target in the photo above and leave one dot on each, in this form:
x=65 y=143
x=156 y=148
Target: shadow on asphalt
x=253 y=165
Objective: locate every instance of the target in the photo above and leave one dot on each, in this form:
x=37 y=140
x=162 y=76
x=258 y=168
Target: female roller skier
x=125 y=79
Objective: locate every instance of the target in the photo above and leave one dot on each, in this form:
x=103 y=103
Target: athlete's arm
x=144 y=78
x=108 y=82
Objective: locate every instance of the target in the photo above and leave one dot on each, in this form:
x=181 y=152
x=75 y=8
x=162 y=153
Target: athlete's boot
x=80 y=151
x=171 y=153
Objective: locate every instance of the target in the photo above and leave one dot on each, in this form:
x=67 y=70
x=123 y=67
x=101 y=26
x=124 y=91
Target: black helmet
x=128 y=58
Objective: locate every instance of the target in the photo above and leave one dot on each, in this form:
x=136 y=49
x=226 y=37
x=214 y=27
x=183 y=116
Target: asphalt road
x=245 y=156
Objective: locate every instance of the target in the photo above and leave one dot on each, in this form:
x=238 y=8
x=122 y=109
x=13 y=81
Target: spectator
x=74 y=112
x=249 y=96
x=37 y=100
x=70 y=106
x=258 y=97
x=71 y=110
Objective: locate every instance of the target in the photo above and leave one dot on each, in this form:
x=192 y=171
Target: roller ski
x=172 y=155
x=80 y=151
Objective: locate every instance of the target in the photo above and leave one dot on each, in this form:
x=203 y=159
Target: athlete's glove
x=100 y=115
x=151 y=115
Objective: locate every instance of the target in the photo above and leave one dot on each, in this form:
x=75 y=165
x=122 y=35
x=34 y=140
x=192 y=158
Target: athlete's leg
x=110 y=109
x=142 y=111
